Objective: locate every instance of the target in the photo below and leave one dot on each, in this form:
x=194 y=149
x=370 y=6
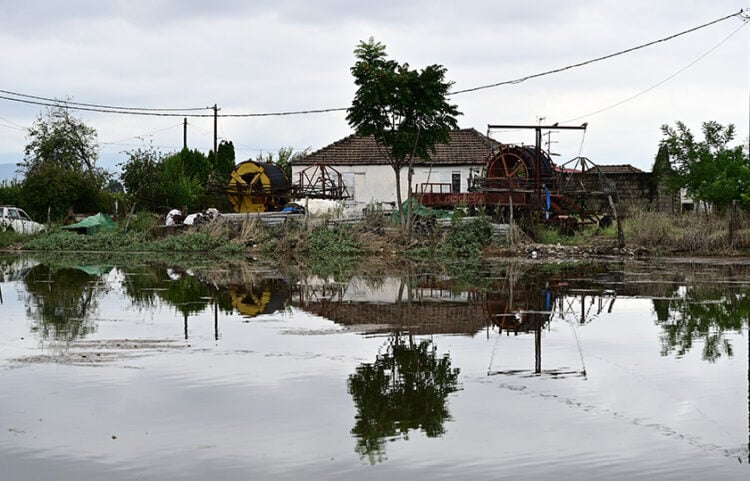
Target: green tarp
x=418 y=210
x=92 y=224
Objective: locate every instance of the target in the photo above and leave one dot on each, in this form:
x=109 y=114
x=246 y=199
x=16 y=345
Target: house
x=370 y=179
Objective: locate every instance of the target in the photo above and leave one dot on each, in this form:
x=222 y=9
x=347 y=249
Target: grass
x=11 y=240
x=334 y=248
x=140 y=234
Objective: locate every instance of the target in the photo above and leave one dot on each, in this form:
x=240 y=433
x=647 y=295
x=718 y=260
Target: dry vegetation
x=692 y=232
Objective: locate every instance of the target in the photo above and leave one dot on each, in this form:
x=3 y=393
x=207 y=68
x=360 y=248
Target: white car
x=15 y=219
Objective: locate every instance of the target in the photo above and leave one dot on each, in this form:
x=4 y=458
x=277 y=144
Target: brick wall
x=633 y=190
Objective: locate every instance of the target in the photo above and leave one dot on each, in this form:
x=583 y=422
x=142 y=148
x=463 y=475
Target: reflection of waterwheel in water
x=252 y=301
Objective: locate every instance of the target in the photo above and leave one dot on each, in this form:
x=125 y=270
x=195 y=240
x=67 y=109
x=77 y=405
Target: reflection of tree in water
x=186 y=293
x=702 y=314
x=61 y=301
x=406 y=388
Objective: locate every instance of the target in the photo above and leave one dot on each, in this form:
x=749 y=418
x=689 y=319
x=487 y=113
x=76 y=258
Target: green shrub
x=11 y=193
x=10 y=239
x=466 y=238
x=334 y=241
x=142 y=222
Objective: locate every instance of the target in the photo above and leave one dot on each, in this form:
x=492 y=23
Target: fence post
x=732 y=222
x=620 y=235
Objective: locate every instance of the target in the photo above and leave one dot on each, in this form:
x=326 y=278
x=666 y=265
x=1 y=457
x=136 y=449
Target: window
x=349 y=183
x=456 y=182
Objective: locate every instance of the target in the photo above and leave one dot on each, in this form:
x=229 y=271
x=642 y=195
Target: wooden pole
x=512 y=232
x=216 y=122
x=620 y=235
x=732 y=222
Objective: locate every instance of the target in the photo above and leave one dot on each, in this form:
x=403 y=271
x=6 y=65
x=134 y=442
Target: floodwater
x=143 y=370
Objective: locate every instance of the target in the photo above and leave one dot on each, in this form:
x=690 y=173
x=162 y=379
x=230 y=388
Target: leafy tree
x=406 y=111
x=61 y=139
x=115 y=186
x=223 y=162
x=59 y=165
x=59 y=189
x=195 y=164
x=142 y=178
x=184 y=177
x=710 y=170
x=11 y=192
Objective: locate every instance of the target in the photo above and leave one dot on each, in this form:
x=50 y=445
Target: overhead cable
x=632 y=97
x=99 y=106
x=190 y=112
x=599 y=59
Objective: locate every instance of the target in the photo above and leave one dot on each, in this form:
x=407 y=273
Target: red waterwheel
x=507 y=169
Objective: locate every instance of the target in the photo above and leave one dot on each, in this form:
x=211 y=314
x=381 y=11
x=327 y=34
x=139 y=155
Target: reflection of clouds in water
x=278 y=384
x=662 y=429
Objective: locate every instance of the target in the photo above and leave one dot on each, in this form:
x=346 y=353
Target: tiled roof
x=618 y=169
x=467 y=146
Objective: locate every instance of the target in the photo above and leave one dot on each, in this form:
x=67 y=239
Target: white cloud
x=290 y=55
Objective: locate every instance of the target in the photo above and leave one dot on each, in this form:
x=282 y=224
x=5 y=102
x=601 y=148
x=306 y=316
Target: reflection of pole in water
x=538 y=345
x=185 y=316
x=216 y=320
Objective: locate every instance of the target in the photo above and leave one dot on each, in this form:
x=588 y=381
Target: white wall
x=377 y=183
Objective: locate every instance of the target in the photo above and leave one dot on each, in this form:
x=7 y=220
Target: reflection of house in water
x=517 y=300
x=420 y=305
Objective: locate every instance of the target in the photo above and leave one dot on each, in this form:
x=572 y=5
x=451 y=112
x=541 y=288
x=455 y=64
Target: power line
x=158 y=113
x=188 y=112
x=141 y=136
x=102 y=110
x=99 y=106
x=632 y=97
x=296 y=112
x=599 y=59
x=11 y=125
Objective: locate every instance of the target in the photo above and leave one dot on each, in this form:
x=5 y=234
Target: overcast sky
x=287 y=55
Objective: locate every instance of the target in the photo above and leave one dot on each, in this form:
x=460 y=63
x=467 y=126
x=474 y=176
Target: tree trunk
x=397 y=170
x=409 y=212
x=409 y=177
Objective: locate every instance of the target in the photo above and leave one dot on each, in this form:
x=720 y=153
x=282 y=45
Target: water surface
x=143 y=370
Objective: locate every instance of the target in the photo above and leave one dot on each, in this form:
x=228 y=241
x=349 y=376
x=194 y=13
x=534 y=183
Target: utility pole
x=184 y=133
x=216 y=122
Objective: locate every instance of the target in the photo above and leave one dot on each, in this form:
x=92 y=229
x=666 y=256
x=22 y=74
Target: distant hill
x=8 y=172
